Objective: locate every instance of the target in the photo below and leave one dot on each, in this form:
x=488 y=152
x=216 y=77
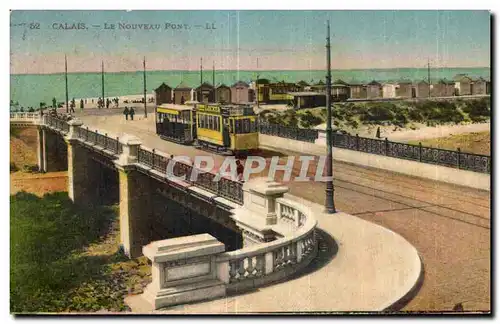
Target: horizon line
x=263 y=70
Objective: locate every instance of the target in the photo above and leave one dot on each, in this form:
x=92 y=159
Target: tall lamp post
x=66 y=81
x=144 y=76
x=329 y=203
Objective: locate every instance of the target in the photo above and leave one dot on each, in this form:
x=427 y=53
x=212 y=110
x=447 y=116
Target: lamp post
x=144 y=77
x=66 y=82
x=329 y=203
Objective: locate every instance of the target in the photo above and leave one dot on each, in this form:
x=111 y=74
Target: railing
x=102 y=140
x=448 y=158
x=263 y=263
x=299 y=134
x=24 y=115
x=56 y=123
x=226 y=188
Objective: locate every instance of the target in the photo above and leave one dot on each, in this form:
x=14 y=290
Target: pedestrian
x=81 y=104
x=107 y=103
x=126 y=112
x=73 y=105
x=239 y=169
x=132 y=113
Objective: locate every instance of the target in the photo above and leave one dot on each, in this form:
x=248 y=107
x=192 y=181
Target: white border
x=200 y=4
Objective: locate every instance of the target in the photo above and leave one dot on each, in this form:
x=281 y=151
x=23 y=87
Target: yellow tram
x=222 y=128
x=226 y=128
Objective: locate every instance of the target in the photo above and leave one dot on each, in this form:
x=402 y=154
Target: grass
x=478 y=143
x=350 y=115
x=66 y=259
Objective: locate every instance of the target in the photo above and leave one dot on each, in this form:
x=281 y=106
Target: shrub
x=308 y=120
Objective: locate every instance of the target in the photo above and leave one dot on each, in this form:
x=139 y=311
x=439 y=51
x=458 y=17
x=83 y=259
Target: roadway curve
x=448 y=225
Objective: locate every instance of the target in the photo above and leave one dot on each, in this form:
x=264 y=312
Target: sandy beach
x=91 y=102
x=420 y=132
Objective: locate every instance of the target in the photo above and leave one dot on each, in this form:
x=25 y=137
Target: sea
x=31 y=89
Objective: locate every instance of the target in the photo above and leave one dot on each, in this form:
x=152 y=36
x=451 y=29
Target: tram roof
x=175 y=107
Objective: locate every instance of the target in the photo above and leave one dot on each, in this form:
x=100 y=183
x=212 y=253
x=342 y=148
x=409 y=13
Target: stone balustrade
x=279 y=240
x=25 y=117
x=266 y=262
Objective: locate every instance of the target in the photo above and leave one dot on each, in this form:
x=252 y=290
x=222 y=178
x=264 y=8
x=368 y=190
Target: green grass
x=400 y=113
x=67 y=259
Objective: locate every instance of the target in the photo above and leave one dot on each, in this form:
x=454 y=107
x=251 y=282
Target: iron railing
x=103 y=140
x=226 y=188
x=299 y=134
x=448 y=158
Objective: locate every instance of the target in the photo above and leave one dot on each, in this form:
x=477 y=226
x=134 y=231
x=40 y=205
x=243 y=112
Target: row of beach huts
x=303 y=94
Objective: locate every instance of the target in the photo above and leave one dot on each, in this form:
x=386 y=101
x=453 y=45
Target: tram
x=175 y=123
x=225 y=129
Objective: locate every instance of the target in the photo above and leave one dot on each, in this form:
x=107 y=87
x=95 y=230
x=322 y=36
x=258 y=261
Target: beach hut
x=205 y=93
x=479 y=86
x=421 y=89
x=404 y=89
x=374 y=90
x=443 y=88
x=163 y=94
x=222 y=93
x=182 y=93
x=241 y=93
x=463 y=84
x=340 y=90
x=357 y=90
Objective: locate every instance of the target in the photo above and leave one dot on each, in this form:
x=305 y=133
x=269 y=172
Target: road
x=449 y=225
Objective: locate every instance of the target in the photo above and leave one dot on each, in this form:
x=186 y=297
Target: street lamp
x=329 y=203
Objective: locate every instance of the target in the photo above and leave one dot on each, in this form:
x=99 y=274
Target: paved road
x=449 y=225
x=337 y=280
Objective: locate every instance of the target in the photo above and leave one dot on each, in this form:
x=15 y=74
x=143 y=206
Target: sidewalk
x=365 y=267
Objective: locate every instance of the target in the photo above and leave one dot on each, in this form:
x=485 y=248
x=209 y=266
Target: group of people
x=128 y=112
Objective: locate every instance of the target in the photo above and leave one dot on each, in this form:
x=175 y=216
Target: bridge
x=267 y=246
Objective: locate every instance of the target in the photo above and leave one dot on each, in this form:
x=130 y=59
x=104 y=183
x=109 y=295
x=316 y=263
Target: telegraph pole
x=213 y=80
x=329 y=203
x=201 y=80
x=102 y=81
x=66 y=80
x=144 y=76
x=257 y=83
x=429 y=77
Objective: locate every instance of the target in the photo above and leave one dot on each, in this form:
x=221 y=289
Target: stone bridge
x=257 y=234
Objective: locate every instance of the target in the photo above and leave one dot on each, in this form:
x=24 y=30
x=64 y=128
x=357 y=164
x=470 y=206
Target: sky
x=246 y=40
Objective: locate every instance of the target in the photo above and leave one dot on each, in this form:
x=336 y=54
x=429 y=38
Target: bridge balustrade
x=226 y=188
x=290 y=247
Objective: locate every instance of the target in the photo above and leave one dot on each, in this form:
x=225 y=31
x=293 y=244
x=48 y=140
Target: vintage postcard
x=250 y=162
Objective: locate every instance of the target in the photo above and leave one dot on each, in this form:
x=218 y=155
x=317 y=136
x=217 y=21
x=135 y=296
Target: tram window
x=244 y=126
x=211 y=122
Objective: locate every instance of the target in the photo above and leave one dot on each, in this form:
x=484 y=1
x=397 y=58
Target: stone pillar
x=184 y=270
x=83 y=175
x=258 y=213
x=45 y=149
x=73 y=125
x=135 y=199
x=135 y=211
x=40 y=150
x=259 y=197
x=52 y=155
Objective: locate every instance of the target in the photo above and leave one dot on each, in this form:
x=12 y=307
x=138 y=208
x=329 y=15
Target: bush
x=308 y=120
x=477 y=109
